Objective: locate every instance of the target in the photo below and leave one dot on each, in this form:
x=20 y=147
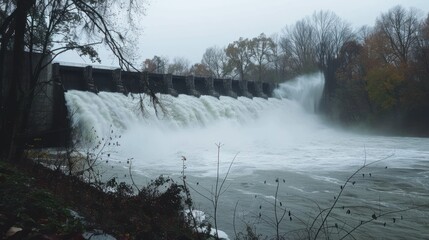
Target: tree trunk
x=5 y=41
x=17 y=88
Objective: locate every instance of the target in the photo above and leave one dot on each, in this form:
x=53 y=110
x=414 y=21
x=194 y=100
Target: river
x=272 y=142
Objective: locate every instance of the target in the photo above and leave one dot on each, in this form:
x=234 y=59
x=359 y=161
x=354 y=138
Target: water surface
x=279 y=138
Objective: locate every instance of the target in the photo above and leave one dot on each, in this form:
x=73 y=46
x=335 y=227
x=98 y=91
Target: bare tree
x=422 y=52
x=262 y=51
x=330 y=35
x=179 y=66
x=281 y=63
x=200 y=70
x=215 y=60
x=286 y=61
x=155 y=65
x=400 y=28
x=315 y=40
x=300 y=41
x=239 y=57
x=363 y=33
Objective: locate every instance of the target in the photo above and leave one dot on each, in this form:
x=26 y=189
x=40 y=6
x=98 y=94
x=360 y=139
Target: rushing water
x=279 y=138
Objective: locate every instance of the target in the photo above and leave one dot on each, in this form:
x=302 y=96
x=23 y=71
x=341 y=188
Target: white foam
x=268 y=134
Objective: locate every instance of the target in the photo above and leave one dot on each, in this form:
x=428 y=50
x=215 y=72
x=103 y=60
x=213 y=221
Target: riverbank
x=39 y=203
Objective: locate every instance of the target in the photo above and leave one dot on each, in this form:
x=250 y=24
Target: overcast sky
x=186 y=28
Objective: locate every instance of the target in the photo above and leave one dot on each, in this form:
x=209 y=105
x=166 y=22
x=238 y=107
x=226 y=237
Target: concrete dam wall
x=53 y=130
x=95 y=80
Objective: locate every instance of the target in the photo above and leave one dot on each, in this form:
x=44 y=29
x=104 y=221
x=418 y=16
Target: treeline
x=382 y=78
x=373 y=74
x=304 y=47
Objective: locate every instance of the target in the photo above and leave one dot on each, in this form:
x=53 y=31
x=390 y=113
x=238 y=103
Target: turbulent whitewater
x=272 y=138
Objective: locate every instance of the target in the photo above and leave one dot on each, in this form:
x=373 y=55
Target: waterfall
x=190 y=126
x=100 y=112
x=306 y=90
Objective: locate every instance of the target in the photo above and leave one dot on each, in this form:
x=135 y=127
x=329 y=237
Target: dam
x=49 y=119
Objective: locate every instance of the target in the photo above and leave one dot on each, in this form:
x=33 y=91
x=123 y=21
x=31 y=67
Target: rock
x=12 y=231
